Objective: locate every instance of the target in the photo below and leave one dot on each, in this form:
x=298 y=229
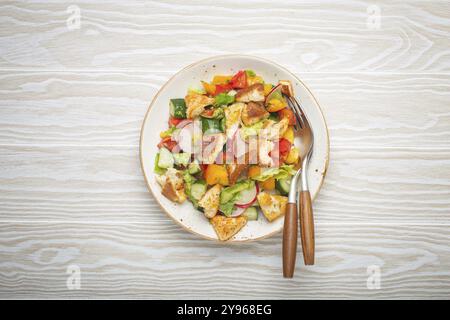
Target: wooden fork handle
x=290 y=232
x=307 y=227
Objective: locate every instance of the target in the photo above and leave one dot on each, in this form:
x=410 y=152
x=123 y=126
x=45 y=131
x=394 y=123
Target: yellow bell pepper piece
x=268 y=184
x=209 y=88
x=254 y=171
x=276 y=105
x=221 y=79
x=289 y=134
x=267 y=88
x=292 y=156
x=216 y=174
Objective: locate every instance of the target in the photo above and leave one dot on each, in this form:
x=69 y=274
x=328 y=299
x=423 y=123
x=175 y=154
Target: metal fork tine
x=297 y=116
x=302 y=115
x=297 y=112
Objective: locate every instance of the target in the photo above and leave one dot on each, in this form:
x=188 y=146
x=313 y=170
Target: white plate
x=156 y=121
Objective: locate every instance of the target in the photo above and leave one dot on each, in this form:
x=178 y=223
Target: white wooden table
x=72 y=195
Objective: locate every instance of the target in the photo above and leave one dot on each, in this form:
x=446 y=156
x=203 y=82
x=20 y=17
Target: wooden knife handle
x=290 y=232
x=307 y=227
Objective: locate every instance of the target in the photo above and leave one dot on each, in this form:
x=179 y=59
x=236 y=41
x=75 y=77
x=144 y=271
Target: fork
x=306 y=214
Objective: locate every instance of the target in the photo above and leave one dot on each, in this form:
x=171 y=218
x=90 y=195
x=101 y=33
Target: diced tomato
x=173 y=122
x=220 y=88
x=239 y=80
x=289 y=114
x=284 y=146
x=203 y=167
x=168 y=143
x=207 y=112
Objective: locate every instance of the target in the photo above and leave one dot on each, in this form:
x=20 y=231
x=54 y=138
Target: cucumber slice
x=177 y=108
x=181 y=159
x=212 y=125
x=251 y=213
x=274 y=116
x=198 y=189
x=157 y=169
x=194 y=168
x=165 y=159
x=283 y=185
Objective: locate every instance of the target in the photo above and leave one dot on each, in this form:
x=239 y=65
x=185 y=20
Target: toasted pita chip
x=226 y=227
x=210 y=201
x=196 y=103
x=255 y=92
x=273 y=206
x=253 y=112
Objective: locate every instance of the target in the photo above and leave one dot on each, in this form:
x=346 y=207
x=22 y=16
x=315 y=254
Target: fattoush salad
x=229 y=150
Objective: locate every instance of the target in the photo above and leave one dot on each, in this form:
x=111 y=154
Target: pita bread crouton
x=273 y=130
x=232 y=117
x=255 y=92
x=273 y=206
x=210 y=201
x=173 y=185
x=226 y=227
x=253 y=112
x=196 y=103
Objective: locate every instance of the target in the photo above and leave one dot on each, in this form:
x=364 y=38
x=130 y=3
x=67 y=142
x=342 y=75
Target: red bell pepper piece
x=167 y=143
x=220 y=88
x=284 y=146
x=239 y=80
x=173 y=122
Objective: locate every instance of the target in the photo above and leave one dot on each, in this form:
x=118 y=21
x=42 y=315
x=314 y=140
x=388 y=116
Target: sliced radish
x=248 y=197
x=176 y=149
x=245 y=206
x=184 y=138
x=237 y=211
x=175 y=135
x=183 y=123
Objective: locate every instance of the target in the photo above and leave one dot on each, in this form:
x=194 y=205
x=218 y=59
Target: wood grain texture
x=71 y=107
x=160 y=260
x=152 y=35
x=101 y=184
x=94 y=108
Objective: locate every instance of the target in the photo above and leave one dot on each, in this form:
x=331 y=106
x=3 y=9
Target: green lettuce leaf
x=251 y=130
x=250 y=73
x=230 y=195
x=223 y=99
x=282 y=172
